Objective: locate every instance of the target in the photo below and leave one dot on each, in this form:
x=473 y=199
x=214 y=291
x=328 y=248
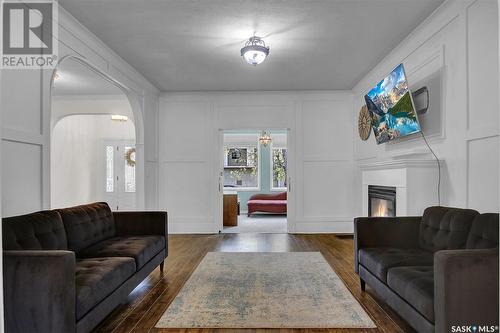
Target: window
x=241 y=167
x=109 y=169
x=129 y=169
x=120 y=179
x=279 y=167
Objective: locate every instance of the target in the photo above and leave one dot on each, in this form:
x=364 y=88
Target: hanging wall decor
x=130 y=157
x=364 y=123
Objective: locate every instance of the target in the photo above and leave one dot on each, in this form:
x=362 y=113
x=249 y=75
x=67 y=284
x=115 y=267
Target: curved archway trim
x=136 y=105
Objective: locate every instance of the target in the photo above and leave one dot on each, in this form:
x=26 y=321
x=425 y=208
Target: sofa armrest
x=398 y=232
x=39 y=289
x=465 y=288
x=141 y=223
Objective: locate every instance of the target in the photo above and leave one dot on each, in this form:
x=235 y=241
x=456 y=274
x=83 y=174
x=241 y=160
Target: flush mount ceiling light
x=255 y=51
x=118 y=117
x=265 y=138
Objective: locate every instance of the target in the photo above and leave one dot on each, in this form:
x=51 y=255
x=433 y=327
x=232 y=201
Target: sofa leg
x=161 y=266
x=363 y=284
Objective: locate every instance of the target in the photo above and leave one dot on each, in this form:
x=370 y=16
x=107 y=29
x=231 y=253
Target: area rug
x=264 y=290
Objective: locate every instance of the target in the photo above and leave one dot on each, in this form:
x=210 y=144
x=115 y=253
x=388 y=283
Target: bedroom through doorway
x=254 y=178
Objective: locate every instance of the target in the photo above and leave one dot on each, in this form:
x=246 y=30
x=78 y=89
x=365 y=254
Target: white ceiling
x=194 y=45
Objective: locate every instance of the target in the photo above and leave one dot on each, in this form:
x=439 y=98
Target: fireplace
x=381 y=200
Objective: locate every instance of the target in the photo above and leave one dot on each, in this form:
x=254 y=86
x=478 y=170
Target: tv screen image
x=391 y=107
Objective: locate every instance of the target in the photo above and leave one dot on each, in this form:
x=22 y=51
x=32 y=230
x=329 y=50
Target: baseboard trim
x=300 y=227
x=323 y=227
x=191 y=228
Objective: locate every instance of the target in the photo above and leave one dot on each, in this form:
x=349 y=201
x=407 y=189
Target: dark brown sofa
x=436 y=271
x=65 y=270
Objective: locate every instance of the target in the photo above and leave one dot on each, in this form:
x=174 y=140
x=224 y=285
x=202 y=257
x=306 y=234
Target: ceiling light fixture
x=118 y=117
x=265 y=138
x=255 y=51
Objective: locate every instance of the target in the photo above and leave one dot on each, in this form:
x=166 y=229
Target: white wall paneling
x=325 y=199
x=483 y=106
x=482 y=174
x=454 y=52
x=1 y=211
x=190 y=125
x=26 y=105
x=21 y=172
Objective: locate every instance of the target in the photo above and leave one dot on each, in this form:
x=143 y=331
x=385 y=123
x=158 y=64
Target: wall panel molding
x=26 y=116
x=460 y=41
x=252 y=110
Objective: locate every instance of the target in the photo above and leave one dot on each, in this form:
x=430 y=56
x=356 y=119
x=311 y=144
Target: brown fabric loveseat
x=436 y=271
x=65 y=270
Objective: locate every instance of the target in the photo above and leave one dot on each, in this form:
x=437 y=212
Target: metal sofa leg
x=363 y=284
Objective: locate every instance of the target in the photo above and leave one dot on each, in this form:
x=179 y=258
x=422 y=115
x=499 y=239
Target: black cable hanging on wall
x=423 y=111
x=439 y=168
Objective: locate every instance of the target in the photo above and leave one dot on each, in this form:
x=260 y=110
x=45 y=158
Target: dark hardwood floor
x=149 y=300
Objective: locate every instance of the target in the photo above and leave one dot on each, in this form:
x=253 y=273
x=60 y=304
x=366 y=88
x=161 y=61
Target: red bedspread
x=267 y=203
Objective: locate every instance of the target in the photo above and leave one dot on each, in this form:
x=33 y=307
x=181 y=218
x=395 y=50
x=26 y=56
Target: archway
x=83 y=101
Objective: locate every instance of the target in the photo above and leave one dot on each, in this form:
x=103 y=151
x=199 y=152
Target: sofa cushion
x=379 y=260
x=141 y=248
x=36 y=231
x=484 y=232
x=445 y=228
x=415 y=284
x=97 y=278
x=87 y=224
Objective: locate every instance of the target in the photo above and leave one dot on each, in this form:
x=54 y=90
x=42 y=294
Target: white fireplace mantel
x=415 y=181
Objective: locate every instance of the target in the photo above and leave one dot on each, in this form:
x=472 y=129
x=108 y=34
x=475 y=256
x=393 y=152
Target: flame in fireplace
x=382 y=209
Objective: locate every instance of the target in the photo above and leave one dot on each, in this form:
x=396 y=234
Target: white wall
x=77 y=157
x=25 y=105
x=455 y=53
x=321 y=164
x=1 y=237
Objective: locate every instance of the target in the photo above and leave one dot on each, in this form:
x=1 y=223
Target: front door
x=119 y=183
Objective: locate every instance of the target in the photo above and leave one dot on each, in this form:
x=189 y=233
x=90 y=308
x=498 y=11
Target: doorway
x=254 y=165
x=120 y=188
x=93 y=140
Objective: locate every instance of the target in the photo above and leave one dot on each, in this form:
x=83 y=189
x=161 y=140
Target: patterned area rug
x=264 y=290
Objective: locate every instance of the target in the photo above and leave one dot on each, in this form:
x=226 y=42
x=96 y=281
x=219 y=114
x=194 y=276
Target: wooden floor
x=149 y=300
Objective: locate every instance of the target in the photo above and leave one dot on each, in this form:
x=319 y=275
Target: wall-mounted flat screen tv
x=391 y=107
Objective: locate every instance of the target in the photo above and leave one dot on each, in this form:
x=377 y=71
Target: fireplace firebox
x=381 y=201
